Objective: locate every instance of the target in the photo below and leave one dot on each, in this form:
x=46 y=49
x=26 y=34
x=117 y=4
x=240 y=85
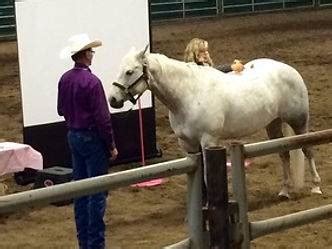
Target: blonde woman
x=197 y=51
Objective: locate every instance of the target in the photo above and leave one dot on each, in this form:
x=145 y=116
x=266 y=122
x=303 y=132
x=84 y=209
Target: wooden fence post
x=217 y=196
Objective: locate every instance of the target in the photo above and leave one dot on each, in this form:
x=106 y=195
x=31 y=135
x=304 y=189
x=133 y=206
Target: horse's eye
x=129 y=72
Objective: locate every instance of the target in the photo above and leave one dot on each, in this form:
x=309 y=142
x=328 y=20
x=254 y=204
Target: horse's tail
x=296 y=161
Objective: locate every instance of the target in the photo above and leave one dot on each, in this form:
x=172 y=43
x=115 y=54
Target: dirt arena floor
x=155 y=217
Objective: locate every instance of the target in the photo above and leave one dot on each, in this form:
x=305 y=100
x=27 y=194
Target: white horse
x=207 y=106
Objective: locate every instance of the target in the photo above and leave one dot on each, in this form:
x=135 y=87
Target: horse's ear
x=146 y=48
x=141 y=54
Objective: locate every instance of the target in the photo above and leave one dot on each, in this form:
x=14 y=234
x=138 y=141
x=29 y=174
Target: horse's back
x=287 y=83
x=262 y=65
x=278 y=73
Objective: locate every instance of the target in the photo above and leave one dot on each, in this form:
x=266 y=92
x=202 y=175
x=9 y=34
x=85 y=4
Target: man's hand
x=237 y=66
x=114 y=153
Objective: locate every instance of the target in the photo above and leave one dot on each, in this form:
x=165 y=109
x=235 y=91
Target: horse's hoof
x=283 y=196
x=316 y=190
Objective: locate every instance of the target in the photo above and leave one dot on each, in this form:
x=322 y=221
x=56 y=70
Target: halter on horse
x=207 y=106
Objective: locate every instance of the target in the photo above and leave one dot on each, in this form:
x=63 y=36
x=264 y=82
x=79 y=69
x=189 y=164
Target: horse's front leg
x=206 y=142
x=191 y=147
x=188 y=146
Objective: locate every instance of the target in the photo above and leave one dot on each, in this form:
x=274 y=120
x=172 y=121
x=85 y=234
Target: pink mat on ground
x=156 y=182
x=14 y=157
x=247 y=164
x=151 y=183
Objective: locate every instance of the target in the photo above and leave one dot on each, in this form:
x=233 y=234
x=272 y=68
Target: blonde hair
x=193 y=48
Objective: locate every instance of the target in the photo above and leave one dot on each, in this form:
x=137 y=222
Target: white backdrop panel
x=43 y=29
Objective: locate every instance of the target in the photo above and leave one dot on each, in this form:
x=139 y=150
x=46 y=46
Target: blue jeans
x=89 y=159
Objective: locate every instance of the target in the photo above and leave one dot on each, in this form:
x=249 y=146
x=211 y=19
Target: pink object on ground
x=247 y=164
x=14 y=157
x=154 y=182
x=160 y=181
x=151 y=183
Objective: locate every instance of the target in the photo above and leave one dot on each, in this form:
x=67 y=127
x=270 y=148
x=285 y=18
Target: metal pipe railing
x=264 y=227
x=194 y=205
x=44 y=196
x=238 y=154
x=287 y=143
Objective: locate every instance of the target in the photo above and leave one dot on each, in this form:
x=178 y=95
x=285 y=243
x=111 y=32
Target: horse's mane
x=181 y=66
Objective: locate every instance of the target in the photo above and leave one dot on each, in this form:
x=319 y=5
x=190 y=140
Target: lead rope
x=140 y=116
x=141 y=131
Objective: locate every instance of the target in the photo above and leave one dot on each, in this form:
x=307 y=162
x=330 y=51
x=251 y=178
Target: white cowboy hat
x=78 y=43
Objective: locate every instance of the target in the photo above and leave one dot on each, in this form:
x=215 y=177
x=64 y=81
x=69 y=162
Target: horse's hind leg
x=300 y=128
x=274 y=130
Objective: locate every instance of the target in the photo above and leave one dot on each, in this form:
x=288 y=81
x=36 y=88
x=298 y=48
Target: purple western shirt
x=82 y=102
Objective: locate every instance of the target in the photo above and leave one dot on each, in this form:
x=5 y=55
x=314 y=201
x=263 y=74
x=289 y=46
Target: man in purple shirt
x=82 y=102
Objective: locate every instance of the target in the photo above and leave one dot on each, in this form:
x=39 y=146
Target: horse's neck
x=168 y=81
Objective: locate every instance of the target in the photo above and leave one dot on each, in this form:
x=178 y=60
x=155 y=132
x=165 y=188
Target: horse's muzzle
x=115 y=103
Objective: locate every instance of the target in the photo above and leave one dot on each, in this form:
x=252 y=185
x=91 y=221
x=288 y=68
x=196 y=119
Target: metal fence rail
x=287 y=143
x=170 y=9
x=252 y=230
x=7 y=20
x=263 y=5
x=190 y=165
x=44 y=196
x=264 y=227
x=217 y=214
x=180 y=9
x=323 y=3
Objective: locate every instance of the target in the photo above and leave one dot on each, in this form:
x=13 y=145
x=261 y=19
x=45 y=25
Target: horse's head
x=133 y=79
